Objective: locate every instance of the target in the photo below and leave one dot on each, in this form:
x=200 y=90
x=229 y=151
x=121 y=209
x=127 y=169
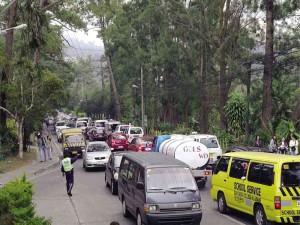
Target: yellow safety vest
x=67 y=164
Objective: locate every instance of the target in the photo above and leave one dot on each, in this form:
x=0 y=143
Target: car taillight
x=140 y=148
x=277 y=202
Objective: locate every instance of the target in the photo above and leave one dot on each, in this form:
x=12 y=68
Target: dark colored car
x=117 y=141
x=97 y=135
x=112 y=171
x=141 y=144
x=248 y=149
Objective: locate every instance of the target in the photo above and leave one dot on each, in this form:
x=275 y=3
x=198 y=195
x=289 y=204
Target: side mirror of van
x=140 y=185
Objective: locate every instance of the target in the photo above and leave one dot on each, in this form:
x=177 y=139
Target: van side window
x=261 y=173
x=222 y=165
x=238 y=168
x=132 y=172
x=141 y=176
x=124 y=168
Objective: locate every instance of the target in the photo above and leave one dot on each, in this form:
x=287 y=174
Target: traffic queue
x=160 y=182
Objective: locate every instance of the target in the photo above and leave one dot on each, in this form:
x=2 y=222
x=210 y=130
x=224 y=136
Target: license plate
x=120 y=146
x=74 y=152
x=147 y=149
x=100 y=163
x=298 y=203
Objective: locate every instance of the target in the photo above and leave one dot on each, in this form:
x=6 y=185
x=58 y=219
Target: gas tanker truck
x=194 y=154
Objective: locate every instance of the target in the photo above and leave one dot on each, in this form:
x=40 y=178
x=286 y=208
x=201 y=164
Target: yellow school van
x=264 y=185
x=73 y=141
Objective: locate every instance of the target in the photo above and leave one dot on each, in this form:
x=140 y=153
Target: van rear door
x=290 y=190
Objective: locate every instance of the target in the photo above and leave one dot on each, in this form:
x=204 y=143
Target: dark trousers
x=70 y=181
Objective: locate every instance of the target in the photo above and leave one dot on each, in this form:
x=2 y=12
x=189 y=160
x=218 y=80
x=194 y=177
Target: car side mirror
x=140 y=185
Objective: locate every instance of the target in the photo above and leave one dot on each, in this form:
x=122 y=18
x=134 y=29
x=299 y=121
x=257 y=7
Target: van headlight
x=150 y=208
x=196 y=206
x=116 y=175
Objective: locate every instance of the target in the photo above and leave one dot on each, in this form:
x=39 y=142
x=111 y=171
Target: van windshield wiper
x=181 y=189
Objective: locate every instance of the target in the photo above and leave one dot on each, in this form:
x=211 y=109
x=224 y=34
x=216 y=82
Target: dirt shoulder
x=13 y=163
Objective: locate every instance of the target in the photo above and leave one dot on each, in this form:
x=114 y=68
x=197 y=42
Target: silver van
x=158 y=189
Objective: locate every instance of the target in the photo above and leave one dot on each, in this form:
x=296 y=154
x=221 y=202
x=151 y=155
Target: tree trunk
x=203 y=116
x=11 y=22
x=268 y=66
x=115 y=95
x=20 y=130
x=224 y=89
x=248 y=83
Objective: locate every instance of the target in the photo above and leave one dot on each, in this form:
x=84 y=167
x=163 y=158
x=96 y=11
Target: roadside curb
x=52 y=166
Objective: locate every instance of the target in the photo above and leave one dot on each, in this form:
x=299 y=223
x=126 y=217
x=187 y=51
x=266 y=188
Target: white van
x=133 y=132
x=212 y=143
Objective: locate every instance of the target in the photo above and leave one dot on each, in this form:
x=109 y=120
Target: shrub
x=16 y=205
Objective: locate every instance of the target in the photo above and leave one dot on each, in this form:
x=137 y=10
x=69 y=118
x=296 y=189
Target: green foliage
x=235 y=113
x=181 y=129
x=287 y=128
x=16 y=205
x=225 y=139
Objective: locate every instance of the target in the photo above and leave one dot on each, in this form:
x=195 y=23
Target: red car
x=117 y=141
x=141 y=144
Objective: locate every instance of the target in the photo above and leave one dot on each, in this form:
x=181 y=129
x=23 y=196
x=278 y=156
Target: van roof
x=264 y=156
x=71 y=130
x=153 y=159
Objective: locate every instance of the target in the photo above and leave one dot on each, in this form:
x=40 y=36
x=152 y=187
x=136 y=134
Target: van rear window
x=290 y=174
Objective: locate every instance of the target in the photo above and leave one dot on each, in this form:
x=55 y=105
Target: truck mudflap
x=201 y=173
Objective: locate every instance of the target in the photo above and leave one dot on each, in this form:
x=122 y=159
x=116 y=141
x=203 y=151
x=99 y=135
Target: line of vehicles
x=160 y=184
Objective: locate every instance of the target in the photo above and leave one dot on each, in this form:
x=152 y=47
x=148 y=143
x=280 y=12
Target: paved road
x=92 y=203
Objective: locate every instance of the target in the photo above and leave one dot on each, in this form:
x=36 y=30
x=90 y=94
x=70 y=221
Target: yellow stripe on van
x=290 y=191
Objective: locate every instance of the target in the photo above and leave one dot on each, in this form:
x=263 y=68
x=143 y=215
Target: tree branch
x=50 y=5
x=6 y=110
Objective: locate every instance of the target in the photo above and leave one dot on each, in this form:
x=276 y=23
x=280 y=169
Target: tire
x=106 y=183
x=125 y=209
x=138 y=220
x=113 y=188
x=222 y=205
x=260 y=216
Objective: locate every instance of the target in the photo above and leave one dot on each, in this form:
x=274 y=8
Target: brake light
x=140 y=148
x=277 y=202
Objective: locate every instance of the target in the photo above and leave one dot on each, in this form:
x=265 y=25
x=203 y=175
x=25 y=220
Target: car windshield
x=290 y=175
x=119 y=137
x=99 y=124
x=123 y=128
x=99 y=131
x=162 y=179
x=209 y=142
x=98 y=148
x=81 y=124
x=135 y=131
x=74 y=138
x=118 y=159
x=144 y=142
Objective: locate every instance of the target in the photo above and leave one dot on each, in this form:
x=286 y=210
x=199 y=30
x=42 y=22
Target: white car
x=121 y=128
x=133 y=132
x=96 y=155
x=60 y=125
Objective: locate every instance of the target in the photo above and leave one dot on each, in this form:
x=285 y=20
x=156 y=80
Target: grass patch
x=13 y=163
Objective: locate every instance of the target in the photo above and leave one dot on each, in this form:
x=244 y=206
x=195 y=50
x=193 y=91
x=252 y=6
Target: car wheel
x=125 y=209
x=260 y=216
x=138 y=219
x=113 y=188
x=106 y=183
x=222 y=205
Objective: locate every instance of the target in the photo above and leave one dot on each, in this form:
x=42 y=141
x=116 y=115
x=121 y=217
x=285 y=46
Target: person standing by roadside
x=42 y=147
x=282 y=146
x=294 y=145
x=48 y=147
x=273 y=144
x=257 y=142
x=68 y=170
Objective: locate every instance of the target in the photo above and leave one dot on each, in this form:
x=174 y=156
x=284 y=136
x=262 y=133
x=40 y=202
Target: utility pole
x=142 y=99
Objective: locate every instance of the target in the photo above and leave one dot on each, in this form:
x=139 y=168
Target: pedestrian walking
x=48 y=147
x=282 y=146
x=257 y=142
x=273 y=144
x=294 y=145
x=42 y=148
x=68 y=170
